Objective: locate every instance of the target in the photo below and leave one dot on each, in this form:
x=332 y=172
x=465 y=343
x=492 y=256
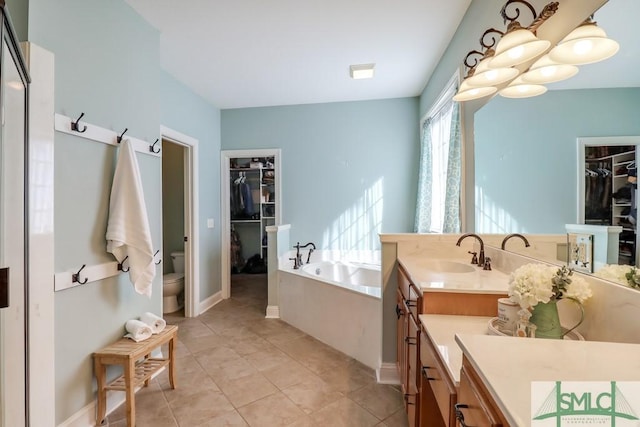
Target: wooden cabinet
x=409 y=301
x=475 y=406
x=437 y=385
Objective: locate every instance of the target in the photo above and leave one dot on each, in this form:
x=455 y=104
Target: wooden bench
x=138 y=366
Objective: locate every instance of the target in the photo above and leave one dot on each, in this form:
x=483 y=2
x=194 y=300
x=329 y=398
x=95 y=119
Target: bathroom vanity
x=432 y=287
x=453 y=373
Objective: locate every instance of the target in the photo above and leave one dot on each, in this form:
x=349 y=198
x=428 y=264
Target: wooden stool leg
x=129 y=373
x=102 y=393
x=172 y=361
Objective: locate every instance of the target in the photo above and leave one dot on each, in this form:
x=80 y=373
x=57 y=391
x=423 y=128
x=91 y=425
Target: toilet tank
x=177 y=259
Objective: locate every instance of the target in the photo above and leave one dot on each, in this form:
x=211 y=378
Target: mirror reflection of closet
x=607 y=188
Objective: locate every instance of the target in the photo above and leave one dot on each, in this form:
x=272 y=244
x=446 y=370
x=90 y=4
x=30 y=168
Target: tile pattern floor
x=236 y=368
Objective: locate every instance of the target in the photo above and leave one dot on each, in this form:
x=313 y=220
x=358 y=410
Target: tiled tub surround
x=346 y=317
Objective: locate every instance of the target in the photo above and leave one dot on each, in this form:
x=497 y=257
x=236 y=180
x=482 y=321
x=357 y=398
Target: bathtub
x=337 y=302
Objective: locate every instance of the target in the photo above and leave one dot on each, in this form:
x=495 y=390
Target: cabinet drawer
x=475 y=407
x=434 y=374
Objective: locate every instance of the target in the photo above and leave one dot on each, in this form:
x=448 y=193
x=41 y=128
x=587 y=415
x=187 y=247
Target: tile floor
x=236 y=368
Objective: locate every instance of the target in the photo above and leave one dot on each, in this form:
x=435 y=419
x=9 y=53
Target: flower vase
x=545 y=317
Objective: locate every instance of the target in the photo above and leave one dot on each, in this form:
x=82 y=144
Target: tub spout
x=480 y=260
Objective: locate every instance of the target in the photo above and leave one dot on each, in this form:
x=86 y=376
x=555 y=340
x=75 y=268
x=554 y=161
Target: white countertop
x=476 y=280
x=442 y=328
x=508 y=365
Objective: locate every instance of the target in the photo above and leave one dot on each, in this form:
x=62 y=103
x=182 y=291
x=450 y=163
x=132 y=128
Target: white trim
x=387 y=373
x=443 y=97
x=86 y=417
x=210 y=302
x=99 y=134
x=192 y=221
x=42 y=398
x=225 y=220
x=273 y=312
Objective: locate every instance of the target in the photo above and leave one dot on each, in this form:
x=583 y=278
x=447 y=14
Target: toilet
x=173 y=284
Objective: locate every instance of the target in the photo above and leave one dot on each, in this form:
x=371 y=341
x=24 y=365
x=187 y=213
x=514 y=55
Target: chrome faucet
x=507 y=237
x=480 y=259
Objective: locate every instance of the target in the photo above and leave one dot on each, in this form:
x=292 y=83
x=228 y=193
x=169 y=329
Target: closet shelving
x=253 y=202
x=608 y=195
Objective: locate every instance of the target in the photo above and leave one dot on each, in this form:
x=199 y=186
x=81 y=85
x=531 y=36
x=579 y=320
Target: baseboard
x=273 y=312
x=388 y=374
x=210 y=302
x=86 y=417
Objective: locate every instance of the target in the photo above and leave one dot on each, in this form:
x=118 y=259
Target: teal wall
x=526 y=154
x=186 y=112
x=172 y=201
x=348 y=169
x=107 y=65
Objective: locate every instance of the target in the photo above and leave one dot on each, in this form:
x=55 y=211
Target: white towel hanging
x=128 y=232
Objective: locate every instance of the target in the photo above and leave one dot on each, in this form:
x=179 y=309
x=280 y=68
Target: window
x=438 y=205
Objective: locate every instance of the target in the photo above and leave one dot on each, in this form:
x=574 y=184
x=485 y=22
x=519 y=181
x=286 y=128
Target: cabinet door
x=401 y=333
x=440 y=387
x=475 y=407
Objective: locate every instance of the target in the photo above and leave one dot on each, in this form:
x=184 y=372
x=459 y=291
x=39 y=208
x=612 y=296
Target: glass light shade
x=485 y=76
x=467 y=93
x=545 y=70
x=516 y=47
x=520 y=89
x=585 y=45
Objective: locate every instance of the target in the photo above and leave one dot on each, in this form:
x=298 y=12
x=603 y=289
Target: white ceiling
x=251 y=53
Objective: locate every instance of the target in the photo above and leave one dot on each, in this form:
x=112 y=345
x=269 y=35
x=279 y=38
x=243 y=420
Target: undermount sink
x=445 y=266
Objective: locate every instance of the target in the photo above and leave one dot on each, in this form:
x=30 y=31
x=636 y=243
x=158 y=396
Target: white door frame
x=191 y=219
x=225 y=157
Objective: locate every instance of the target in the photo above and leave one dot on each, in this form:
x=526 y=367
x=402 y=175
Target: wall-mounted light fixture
x=586 y=44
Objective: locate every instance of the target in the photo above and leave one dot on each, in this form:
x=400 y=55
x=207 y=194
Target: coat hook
x=121 y=135
x=154 y=255
x=76 y=277
x=121 y=268
x=74 y=125
x=152 y=149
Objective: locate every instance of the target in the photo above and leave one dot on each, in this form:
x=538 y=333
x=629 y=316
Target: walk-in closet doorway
x=267 y=166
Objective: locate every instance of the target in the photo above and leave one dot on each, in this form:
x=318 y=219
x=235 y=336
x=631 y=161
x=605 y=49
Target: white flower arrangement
x=627 y=275
x=534 y=283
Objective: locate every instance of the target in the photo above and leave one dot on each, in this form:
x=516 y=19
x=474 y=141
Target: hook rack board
x=93 y=273
x=99 y=134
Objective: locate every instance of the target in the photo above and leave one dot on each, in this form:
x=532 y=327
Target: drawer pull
x=406 y=398
x=425 y=374
x=410 y=340
x=410 y=303
x=459 y=415
x=398 y=311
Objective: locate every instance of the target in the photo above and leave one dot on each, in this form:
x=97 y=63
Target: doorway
x=186 y=148
x=264 y=161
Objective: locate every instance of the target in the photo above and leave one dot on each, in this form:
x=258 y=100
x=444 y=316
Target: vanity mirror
x=526 y=150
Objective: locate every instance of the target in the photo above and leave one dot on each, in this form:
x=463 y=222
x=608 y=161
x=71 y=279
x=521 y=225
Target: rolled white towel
x=156 y=323
x=138 y=331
